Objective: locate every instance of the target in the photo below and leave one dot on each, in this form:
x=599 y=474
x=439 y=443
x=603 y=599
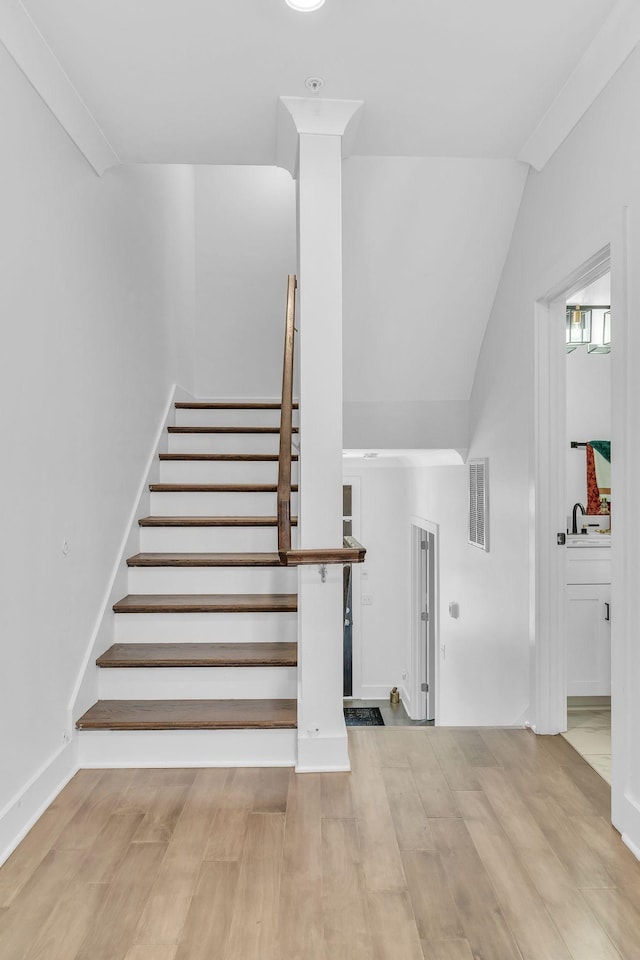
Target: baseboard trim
x=323 y=754
x=26 y=807
x=628 y=842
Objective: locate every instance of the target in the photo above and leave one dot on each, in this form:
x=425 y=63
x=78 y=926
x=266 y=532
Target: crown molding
x=298 y=116
x=614 y=42
x=27 y=47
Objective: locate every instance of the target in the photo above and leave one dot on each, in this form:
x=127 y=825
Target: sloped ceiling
x=197 y=81
x=425 y=240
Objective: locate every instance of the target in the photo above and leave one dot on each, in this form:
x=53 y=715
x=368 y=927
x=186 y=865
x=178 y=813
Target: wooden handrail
x=286 y=423
x=351 y=551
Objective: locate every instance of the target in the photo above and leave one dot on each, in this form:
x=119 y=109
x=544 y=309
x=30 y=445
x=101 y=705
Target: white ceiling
x=197 y=81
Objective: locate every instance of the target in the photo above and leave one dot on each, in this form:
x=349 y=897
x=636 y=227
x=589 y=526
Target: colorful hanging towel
x=593 y=491
x=602 y=458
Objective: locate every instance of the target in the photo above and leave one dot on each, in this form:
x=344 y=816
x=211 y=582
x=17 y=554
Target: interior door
x=427 y=624
x=347 y=655
x=347 y=605
x=430 y=624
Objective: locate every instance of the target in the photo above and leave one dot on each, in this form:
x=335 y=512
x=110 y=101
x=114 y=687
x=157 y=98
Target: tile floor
x=589 y=732
x=393 y=714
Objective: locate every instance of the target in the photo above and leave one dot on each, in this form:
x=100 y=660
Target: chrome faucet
x=574 y=528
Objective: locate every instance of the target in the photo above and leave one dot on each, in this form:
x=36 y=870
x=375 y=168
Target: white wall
x=480 y=672
x=94 y=273
x=587 y=196
x=481 y=680
x=245 y=247
x=424 y=245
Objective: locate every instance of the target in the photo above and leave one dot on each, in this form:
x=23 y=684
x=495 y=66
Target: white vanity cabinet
x=588 y=600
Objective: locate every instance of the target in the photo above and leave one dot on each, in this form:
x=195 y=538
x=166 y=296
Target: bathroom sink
x=589 y=540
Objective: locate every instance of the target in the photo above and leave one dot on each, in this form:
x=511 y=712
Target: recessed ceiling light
x=305 y=6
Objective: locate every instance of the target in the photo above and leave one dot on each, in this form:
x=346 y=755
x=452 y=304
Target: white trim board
x=27 y=806
x=615 y=41
x=381 y=691
x=27 y=47
x=85 y=691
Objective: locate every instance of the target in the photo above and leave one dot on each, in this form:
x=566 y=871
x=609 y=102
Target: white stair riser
x=213 y=580
x=223 y=443
x=206 y=628
x=229 y=418
x=228 y=504
x=187 y=748
x=210 y=539
x=198 y=683
x=222 y=471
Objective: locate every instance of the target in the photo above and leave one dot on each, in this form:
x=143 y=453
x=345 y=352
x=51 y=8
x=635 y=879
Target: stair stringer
x=85 y=690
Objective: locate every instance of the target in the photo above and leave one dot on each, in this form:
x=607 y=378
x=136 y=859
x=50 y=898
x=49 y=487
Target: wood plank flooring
x=190 y=715
x=441 y=844
x=217 y=488
x=265 y=654
x=212 y=521
x=204 y=560
x=208 y=603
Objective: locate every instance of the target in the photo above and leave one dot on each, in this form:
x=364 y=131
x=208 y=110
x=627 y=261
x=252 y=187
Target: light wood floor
x=447 y=844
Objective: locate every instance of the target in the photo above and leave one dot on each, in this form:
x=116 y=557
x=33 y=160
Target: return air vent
x=479 y=503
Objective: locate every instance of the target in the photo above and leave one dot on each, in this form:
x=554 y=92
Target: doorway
x=589 y=536
x=425 y=613
x=549 y=513
x=350 y=589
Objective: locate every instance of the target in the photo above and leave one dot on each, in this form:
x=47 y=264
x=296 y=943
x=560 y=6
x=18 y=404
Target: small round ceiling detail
x=305 y=6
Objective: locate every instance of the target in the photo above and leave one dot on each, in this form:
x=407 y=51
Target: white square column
x=319 y=145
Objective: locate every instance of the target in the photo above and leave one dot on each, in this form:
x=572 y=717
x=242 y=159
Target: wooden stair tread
x=226 y=457
x=216 y=488
x=227 y=429
x=190 y=715
x=204 y=560
x=229 y=405
x=212 y=521
x=199 y=655
x=207 y=603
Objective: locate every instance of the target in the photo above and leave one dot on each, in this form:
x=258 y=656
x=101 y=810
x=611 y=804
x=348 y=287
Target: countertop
x=588 y=540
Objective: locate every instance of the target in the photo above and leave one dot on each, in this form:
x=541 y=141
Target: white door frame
x=549 y=694
x=418 y=650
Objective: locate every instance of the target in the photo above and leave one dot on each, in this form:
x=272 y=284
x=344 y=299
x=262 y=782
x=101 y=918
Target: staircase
x=203 y=667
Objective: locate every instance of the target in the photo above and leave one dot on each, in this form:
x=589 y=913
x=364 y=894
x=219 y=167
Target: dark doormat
x=363 y=717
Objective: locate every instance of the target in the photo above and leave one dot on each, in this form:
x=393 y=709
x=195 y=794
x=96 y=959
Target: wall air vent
x=479 y=503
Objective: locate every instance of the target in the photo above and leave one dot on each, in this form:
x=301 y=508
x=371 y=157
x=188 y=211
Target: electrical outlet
x=367 y=600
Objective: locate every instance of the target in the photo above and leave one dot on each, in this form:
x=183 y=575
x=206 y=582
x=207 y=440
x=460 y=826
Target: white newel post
x=313 y=132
